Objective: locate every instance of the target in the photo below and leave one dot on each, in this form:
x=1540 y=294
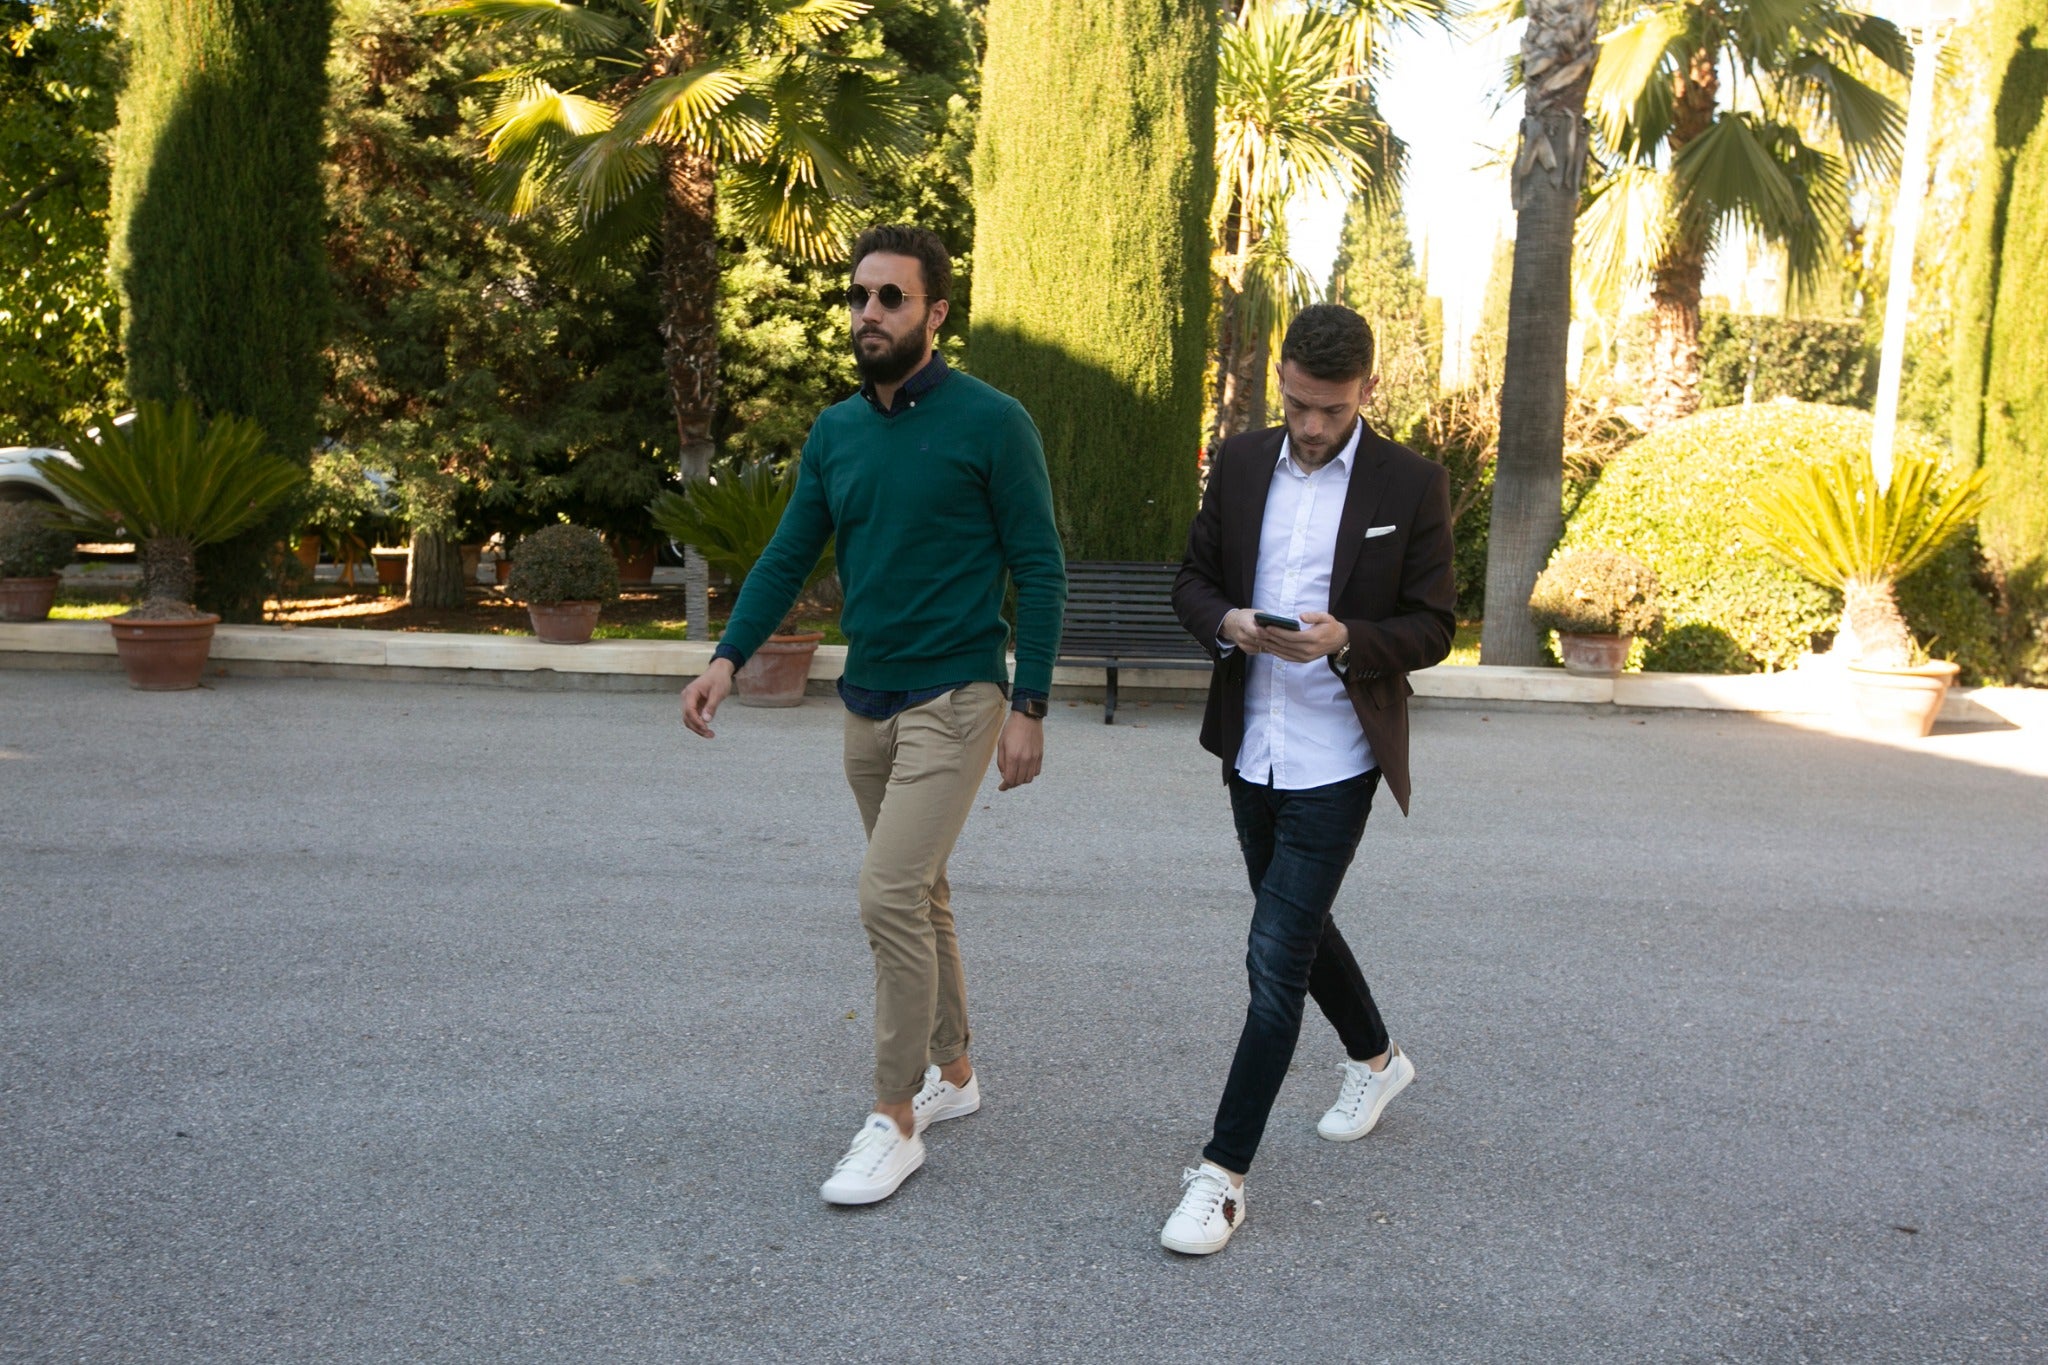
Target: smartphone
x=1267 y=618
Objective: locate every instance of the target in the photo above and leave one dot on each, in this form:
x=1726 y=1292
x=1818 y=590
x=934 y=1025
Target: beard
x=893 y=364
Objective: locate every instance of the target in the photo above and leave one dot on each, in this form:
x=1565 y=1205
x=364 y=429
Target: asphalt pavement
x=380 y=1022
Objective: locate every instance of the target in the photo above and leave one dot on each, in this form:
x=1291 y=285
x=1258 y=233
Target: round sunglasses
x=857 y=296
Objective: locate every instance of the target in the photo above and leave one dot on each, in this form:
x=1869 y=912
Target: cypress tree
x=2001 y=373
x=1093 y=178
x=1375 y=274
x=217 y=229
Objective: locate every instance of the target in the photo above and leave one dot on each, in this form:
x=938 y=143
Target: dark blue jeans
x=1297 y=847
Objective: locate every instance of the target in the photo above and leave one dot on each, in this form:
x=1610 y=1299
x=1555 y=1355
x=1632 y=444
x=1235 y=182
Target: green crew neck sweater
x=932 y=509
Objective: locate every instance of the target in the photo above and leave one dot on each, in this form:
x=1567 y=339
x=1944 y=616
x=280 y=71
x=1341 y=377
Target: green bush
x=1675 y=500
x=563 y=563
x=30 y=547
x=1596 y=592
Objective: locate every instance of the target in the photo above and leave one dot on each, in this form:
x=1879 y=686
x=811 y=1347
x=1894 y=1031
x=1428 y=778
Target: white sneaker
x=1211 y=1208
x=1364 y=1095
x=941 y=1099
x=880 y=1159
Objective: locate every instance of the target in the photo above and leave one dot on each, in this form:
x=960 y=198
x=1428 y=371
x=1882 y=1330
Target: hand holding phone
x=1277 y=622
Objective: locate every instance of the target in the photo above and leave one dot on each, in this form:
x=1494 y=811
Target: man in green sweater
x=935 y=486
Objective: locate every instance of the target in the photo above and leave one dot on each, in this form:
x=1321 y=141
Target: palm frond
x=1289 y=121
x=577 y=27
x=1871 y=124
x=607 y=170
x=171 y=474
x=801 y=218
x=730 y=517
x=1622 y=229
x=803 y=22
x=1830 y=522
x=1631 y=59
x=677 y=108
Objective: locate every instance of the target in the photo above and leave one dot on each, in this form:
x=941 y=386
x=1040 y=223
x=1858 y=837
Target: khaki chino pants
x=914 y=777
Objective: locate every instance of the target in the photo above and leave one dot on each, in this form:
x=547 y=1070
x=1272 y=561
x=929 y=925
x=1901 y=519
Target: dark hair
x=899 y=239
x=1330 y=342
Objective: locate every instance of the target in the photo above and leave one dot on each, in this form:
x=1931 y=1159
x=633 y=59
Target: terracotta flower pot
x=472 y=557
x=502 y=569
x=563 y=623
x=637 y=567
x=776 y=673
x=308 y=551
x=163 y=656
x=1594 y=656
x=1900 y=703
x=391 y=566
x=28 y=599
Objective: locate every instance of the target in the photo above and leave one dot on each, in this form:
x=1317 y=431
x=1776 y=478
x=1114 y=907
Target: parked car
x=21 y=481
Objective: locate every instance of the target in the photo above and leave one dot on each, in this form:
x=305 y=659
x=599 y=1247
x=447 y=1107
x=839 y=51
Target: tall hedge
x=218 y=228
x=1815 y=360
x=2001 y=373
x=1093 y=177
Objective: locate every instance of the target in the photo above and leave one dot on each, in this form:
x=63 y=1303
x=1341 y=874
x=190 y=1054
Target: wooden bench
x=1120 y=615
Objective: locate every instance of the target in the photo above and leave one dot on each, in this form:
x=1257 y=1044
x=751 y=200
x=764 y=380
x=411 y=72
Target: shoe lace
x=865 y=1143
x=1201 y=1192
x=1355 y=1085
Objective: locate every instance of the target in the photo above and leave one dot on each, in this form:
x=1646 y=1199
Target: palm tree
x=632 y=117
x=1558 y=51
x=1777 y=158
x=1294 y=116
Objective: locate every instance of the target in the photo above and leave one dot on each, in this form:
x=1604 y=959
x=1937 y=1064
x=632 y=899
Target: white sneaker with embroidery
x=1211 y=1208
x=940 y=1099
x=1364 y=1095
x=881 y=1158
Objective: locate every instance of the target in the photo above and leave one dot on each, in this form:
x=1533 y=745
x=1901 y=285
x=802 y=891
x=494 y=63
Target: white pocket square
x=1372 y=531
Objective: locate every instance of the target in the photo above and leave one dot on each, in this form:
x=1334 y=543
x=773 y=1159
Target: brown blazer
x=1394 y=592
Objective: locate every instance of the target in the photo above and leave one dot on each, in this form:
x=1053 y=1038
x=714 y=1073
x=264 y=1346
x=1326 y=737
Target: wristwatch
x=1032 y=708
x=1341 y=660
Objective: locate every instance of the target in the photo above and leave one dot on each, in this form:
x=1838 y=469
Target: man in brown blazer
x=1318 y=574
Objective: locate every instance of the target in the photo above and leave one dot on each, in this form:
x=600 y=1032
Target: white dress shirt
x=1299 y=728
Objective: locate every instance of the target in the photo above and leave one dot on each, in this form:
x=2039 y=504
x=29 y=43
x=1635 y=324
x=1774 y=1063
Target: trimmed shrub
x=563 y=563
x=30 y=547
x=1596 y=592
x=1675 y=499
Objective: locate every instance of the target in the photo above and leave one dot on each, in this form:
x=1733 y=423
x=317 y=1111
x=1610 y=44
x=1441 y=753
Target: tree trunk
x=689 y=296
x=1528 y=484
x=435 y=576
x=1243 y=351
x=1873 y=631
x=168 y=575
x=1674 y=388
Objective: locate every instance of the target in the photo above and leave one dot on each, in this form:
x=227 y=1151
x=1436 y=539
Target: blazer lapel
x=1361 y=500
x=1251 y=500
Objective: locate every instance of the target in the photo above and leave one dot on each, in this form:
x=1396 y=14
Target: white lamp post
x=1927 y=24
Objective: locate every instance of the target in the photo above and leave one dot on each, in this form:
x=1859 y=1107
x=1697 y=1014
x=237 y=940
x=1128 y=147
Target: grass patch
x=69 y=608
x=1464 y=645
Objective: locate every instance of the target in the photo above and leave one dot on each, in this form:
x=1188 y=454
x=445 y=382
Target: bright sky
x=1440 y=97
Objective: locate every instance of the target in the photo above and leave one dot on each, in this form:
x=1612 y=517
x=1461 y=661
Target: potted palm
x=730 y=521
x=565 y=574
x=33 y=552
x=1597 y=601
x=1832 y=523
x=172 y=482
